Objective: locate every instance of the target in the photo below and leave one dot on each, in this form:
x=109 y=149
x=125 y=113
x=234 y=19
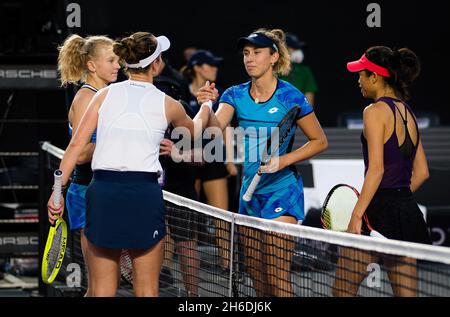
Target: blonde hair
x=283 y=65
x=74 y=54
x=188 y=72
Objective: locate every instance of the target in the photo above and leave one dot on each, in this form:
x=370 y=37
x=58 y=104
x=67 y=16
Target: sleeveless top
x=131 y=125
x=398 y=160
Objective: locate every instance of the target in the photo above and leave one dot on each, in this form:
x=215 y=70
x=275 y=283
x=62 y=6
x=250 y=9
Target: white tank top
x=131 y=124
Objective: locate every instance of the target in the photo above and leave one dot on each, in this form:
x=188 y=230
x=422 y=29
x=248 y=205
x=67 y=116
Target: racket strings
x=126 y=267
x=326 y=218
x=338 y=207
x=54 y=251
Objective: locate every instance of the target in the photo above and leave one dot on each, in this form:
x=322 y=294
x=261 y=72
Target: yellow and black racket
x=55 y=248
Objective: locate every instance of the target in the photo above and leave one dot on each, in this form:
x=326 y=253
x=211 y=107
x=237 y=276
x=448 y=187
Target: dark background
x=335 y=32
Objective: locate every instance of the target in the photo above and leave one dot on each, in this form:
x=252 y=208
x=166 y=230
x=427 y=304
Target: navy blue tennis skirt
x=125 y=210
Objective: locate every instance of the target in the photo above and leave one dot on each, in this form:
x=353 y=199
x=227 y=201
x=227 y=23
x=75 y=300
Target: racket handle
x=251 y=189
x=376 y=234
x=57 y=185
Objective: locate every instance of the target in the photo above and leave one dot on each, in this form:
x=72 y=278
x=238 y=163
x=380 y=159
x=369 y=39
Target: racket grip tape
x=251 y=189
x=57 y=186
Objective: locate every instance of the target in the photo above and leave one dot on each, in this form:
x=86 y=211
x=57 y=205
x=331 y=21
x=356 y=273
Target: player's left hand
x=165 y=147
x=355 y=224
x=231 y=169
x=274 y=165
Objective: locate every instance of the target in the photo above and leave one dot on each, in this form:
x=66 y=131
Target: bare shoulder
x=101 y=94
x=172 y=105
x=171 y=102
x=174 y=109
x=376 y=111
x=82 y=99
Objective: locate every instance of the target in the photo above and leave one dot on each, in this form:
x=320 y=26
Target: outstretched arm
x=223 y=116
x=176 y=115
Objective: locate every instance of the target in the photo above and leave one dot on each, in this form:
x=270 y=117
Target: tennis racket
x=55 y=248
x=281 y=133
x=126 y=267
x=338 y=207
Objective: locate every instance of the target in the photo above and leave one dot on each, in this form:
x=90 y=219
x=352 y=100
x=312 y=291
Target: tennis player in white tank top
x=125 y=207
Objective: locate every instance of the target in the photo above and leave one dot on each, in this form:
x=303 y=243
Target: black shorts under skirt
x=395 y=214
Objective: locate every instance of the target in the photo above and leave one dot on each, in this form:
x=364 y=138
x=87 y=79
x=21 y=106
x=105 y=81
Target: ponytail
x=74 y=54
x=403 y=64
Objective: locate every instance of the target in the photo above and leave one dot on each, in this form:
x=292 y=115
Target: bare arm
x=374 y=133
x=176 y=115
x=223 y=116
x=229 y=148
x=310 y=97
x=317 y=141
x=82 y=136
x=420 y=169
x=77 y=110
x=229 y=151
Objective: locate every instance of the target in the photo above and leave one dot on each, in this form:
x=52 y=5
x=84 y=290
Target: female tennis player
x=260 y=105
x=395 y=166
x=125 y=208
x=91 y=62
x=211 y=177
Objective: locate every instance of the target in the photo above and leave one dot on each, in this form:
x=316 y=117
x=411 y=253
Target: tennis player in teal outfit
x=260 y=104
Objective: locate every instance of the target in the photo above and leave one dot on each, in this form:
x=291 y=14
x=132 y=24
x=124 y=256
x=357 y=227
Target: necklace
x=256 y=100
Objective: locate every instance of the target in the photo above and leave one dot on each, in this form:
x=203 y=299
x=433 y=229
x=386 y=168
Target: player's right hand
x=231 y=169
x=53 y=212
x=206 y=93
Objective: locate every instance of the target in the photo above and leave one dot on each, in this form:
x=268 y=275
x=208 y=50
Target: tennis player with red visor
x=398 y=166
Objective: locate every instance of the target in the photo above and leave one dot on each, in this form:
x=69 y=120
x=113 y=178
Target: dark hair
x=403 y=64
x=134 y=48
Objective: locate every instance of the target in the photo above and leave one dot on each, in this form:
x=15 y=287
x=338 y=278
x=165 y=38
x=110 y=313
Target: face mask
x=297 y=56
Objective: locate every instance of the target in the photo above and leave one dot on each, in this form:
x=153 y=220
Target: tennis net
x=213 y=252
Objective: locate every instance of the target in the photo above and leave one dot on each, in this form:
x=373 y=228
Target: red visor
x=363 y=63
